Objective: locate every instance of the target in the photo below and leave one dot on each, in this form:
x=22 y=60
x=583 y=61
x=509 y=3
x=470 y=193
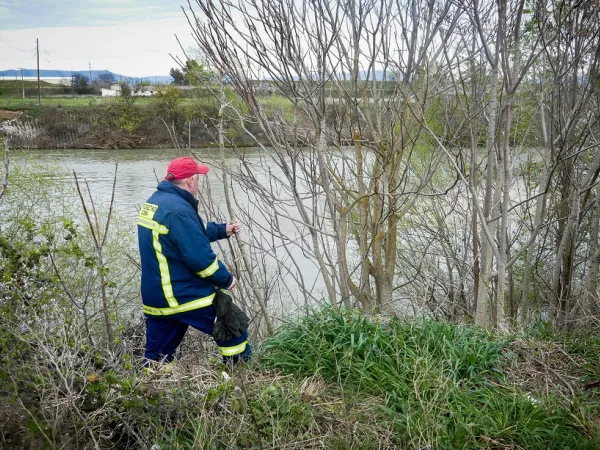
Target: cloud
x=134 y=48
x=129 y=37
x=16 y=14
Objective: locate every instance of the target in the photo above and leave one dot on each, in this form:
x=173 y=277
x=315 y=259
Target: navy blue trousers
x=165 y=333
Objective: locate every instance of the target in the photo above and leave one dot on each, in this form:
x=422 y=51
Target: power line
x=10 y=45
x=22 y=83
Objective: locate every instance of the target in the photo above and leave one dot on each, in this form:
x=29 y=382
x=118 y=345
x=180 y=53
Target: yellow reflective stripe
x=210 y=269
x=235 y=350
x=189 y=306
x=163 y=266
x=152 y=225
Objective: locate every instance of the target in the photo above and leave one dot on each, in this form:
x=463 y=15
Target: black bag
x=231 y=321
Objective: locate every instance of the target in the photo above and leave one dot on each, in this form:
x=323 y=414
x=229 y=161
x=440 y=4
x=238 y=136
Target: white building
x=143 y=91
x=113 y=91
x=138 y=91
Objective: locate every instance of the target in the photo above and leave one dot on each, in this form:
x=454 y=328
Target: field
x=53 y=95
x=64 y=102
x=30 y=102
x=14 y=88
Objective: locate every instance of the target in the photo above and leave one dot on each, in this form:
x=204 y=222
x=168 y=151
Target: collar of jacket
x=167 y=186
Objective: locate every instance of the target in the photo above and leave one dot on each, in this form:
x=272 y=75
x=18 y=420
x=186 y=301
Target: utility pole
x=22 y=83
x=90 y=65
x=37 y=46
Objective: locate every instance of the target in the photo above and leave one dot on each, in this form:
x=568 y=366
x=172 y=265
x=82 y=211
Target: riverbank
x=334 y=379
x=119 y=123
x=71 y=348
x=110 y=127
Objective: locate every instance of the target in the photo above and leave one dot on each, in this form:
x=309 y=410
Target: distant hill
x=27 y=73
x=161 y=79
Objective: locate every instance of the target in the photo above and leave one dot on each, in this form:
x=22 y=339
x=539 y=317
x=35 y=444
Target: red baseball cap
x=181 y=168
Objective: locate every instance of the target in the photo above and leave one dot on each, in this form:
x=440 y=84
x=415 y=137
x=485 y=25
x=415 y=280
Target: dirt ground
x=9 y=115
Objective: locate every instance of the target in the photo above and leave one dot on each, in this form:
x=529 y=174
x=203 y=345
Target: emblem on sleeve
x=147 y=211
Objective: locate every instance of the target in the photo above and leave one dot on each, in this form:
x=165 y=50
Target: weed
x=444 y=385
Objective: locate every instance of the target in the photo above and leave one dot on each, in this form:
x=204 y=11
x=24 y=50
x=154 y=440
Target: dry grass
x=9 y=115
x=196 y=402
x=544 y=367
x=249 y=407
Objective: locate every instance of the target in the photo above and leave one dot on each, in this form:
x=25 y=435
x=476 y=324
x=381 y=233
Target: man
x=180 y=272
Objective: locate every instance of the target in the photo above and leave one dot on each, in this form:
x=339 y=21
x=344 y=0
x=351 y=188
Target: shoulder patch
x=147 y=211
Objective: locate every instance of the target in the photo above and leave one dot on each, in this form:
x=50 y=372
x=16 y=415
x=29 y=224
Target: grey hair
x=179 y=182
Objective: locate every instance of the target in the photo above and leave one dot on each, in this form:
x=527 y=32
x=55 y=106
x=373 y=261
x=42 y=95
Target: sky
x=128 y=37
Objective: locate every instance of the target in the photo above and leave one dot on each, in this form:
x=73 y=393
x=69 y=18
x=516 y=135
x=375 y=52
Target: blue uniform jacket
x=180 y=271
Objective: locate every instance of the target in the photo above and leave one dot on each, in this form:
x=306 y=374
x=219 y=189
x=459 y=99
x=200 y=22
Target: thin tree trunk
x=540 y=203
x=247 y=263
x=105 y=305
x=591 y=285
x=4 y=185
x=557 y=294
x=324 y=169
x=474 y=176
x=482 y=314
x=364 y=289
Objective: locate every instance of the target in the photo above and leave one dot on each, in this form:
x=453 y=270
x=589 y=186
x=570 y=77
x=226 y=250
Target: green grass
x=279 y=105
x=276 y=101
x=341 y=381
x=64 y=102
x=443 y=384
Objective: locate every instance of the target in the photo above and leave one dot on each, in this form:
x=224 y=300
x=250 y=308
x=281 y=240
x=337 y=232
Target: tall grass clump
x=443 y=384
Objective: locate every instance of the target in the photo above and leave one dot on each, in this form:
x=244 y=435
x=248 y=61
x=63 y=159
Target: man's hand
x=233 y=228
x=233 y=284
